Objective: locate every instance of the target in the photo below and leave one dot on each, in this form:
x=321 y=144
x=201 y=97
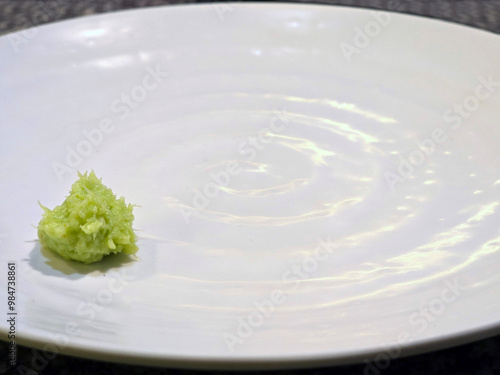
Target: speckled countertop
x=479 y=358
x=19 y=14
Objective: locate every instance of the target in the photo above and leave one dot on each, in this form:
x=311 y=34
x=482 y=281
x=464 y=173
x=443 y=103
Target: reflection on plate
x=305 y=197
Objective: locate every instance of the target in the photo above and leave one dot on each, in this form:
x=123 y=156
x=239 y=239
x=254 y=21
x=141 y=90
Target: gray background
x=479 y=358
x=14 y=14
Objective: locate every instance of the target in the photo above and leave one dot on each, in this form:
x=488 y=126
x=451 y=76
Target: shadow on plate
x=50 y=263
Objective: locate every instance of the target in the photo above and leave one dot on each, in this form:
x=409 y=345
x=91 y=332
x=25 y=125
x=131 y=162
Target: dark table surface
x=478 y=358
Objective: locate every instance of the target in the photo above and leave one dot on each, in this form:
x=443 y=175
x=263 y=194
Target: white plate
x=416 y=267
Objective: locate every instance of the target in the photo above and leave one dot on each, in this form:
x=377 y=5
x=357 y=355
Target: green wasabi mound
x=89 y=224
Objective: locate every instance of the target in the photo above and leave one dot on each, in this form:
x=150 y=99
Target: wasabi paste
x=89 y=224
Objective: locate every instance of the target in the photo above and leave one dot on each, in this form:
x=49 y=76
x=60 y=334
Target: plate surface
x=316 y=185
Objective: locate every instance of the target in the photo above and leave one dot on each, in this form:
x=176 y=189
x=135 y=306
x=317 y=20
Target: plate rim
x=248 y=362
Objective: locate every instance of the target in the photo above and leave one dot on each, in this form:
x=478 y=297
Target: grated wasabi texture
x=89 y=224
